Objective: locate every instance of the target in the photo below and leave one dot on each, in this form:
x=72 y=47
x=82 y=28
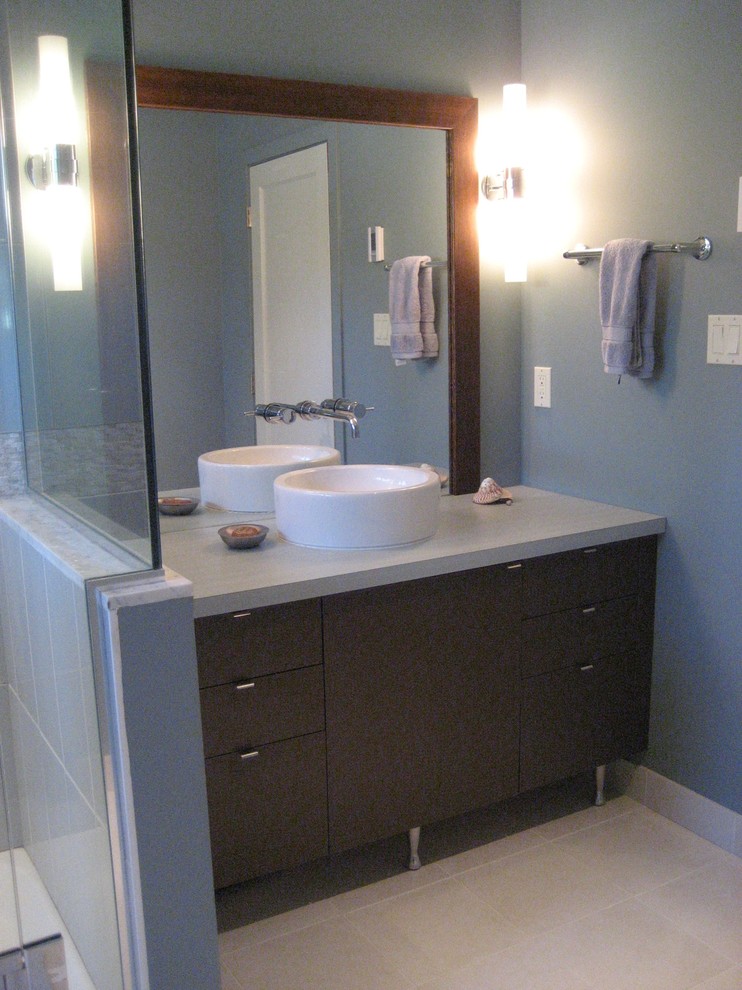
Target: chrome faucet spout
x=341 y=410
x=308 y=409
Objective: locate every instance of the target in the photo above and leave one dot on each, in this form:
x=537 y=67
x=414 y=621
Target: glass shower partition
x=76 y=478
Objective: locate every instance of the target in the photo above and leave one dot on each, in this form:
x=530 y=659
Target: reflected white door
x=292 y=317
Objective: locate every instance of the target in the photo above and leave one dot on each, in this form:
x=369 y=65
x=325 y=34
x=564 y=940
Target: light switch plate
x=724 y=344
x=382 y=330
x=542 y=387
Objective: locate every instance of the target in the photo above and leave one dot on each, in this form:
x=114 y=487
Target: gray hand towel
x=427 y=312
x=410 y=316
x=628 y=285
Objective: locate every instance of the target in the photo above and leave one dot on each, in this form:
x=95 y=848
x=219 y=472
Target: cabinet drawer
x=243 y=645
x=581 y=716
x=584 y=577
x=267 y=811
x=263 y=710
x=579 y=636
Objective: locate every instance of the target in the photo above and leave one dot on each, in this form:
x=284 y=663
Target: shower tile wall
x=12 y=468
x=55 y=741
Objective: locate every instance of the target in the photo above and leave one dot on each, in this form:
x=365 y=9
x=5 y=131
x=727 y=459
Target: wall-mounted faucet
x=341 y=410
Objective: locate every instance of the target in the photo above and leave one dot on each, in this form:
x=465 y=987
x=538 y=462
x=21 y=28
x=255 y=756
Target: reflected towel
x=411 y=309
x=427 y=312
x=628 y=287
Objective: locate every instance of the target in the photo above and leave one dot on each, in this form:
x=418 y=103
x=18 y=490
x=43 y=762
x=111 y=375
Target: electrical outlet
x=542 y=387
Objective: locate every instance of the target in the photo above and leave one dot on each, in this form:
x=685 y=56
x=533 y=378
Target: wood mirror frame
x=185 y=89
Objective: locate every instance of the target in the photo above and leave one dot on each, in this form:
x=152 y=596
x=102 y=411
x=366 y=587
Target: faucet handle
x=275 y=412
x=357 y=409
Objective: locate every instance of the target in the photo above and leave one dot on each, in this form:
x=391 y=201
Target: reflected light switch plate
x=382 y=330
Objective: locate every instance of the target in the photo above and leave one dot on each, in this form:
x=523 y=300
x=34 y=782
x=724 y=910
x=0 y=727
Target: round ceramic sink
x=357 y=505
x=241 y=478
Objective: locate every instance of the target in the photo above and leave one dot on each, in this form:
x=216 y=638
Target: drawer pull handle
x=514 y=567
x=588 y=611
x=241 y=615
x=591 y=550
x=244 y=686
x=587 y=666
x=250 y=755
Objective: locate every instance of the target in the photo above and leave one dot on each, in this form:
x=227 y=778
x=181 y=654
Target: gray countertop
x=468 y=535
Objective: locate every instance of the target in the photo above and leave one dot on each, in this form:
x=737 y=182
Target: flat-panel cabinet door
x=422 y=685
x=582 y=716
x=267 y=811
x=555 y=727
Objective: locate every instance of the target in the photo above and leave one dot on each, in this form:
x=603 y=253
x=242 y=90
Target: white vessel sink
x=241 y=478
x=357 y=505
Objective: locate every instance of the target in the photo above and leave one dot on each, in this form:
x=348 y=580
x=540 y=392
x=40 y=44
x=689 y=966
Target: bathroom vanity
x=351 y=695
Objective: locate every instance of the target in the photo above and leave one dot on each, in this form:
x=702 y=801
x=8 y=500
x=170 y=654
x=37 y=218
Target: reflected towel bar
x=700 y=249
x=425 y=264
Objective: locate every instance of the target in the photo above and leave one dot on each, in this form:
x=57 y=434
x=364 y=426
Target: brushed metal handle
x=587 y=666
x=244 y=686
x=514 y=567
x=589 y=611
x=591 y=550
x=241 y=615
x=249 y=755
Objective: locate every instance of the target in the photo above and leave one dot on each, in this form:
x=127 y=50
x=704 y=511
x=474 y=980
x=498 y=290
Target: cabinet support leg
x=414 y=835
x=599 y=785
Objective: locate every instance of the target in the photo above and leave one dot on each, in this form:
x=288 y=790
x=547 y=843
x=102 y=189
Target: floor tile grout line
x=543 y=840
x=704 y=983
x=347 y=914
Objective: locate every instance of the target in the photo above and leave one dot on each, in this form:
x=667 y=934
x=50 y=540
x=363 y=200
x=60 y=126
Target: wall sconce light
x=54 y=170
x=507 y=185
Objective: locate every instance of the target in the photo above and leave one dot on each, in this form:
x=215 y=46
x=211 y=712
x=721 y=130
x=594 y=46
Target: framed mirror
x=456 y=116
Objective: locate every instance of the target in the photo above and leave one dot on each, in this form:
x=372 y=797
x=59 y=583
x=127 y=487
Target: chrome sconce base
x=507 y=184
x=56 y=167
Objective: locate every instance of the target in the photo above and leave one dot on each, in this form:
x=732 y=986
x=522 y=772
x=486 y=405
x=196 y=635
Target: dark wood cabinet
x=263 y=717
x=422 y=701
x=334 y=722
x=586 y=656
x=258 y=641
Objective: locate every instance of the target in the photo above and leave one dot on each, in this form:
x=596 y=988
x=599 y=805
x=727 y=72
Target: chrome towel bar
x=700 y=249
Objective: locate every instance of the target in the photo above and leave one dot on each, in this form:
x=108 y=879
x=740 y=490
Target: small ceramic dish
x=242 y=536
x=176 y=505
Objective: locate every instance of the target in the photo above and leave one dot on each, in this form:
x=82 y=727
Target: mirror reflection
x=207 y=270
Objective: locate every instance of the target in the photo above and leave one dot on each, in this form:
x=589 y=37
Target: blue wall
x=655 y=89
x=654 y=86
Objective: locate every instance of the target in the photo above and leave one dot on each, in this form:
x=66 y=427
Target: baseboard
x=698 y=814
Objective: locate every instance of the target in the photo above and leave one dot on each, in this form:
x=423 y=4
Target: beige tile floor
x=612 y=898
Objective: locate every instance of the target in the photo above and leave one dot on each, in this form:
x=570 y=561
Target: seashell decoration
x=490 y=492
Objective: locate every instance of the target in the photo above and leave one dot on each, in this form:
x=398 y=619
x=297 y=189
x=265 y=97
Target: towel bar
x=425 y=264
x=700 y=249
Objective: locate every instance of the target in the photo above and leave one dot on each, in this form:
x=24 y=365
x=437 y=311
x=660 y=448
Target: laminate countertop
x=468 y=536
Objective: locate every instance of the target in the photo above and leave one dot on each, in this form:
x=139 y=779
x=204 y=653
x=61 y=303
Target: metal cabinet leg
x=414 y=835
x=599 y=785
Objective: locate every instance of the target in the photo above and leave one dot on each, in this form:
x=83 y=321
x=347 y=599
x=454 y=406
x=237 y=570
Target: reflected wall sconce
x=54 y=170
x=507 y=185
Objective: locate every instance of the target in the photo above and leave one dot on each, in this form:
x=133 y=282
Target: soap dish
x=176 y=505
x=242 y=536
